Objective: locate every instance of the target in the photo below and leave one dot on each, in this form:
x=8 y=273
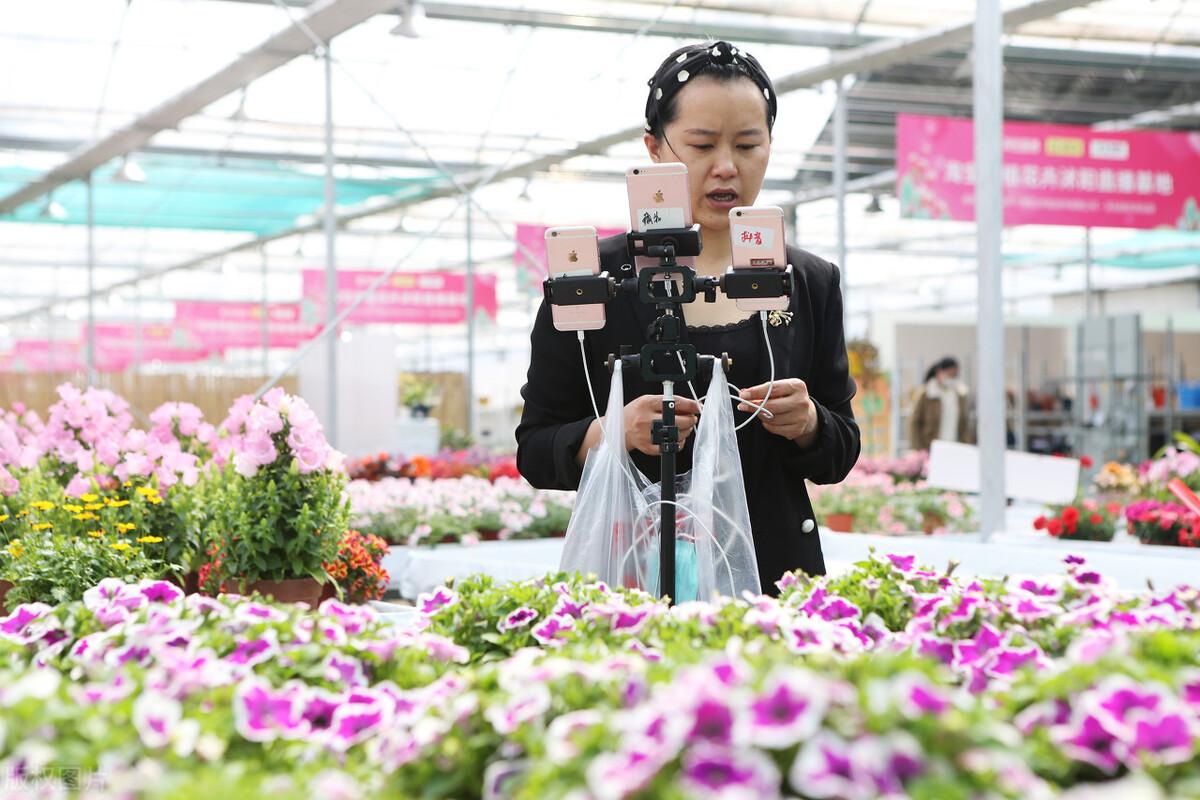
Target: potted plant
x=357 y=569
x=278 y=510
x=1084 y=520
x=417 y=394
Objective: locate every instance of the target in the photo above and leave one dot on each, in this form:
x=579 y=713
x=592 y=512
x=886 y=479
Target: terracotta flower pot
x=4 y=587
x=328 y=591
x=843 y=523
x=931 y=522
x=292 y=590
x=489 y=536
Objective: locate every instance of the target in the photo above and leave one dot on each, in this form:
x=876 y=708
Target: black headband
x=673 y=75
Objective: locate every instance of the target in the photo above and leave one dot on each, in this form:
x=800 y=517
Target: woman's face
x=720 y=133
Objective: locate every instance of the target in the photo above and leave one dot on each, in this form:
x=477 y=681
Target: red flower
x=1070 y=515
x=1113 y=508
x=1072 y=527
x=1096 y=519
x=1039 y=524
x=1055 y=527
x=1086 y=462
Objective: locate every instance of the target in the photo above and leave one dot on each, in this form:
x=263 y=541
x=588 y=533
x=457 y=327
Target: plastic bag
x=614 y=530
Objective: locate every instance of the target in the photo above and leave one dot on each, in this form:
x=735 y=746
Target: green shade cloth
x=198 y=193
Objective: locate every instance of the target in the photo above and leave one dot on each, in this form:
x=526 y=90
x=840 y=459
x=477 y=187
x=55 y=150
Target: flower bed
x=464 y=510
x=471 y=462
x=893 y=680
x=875 y=501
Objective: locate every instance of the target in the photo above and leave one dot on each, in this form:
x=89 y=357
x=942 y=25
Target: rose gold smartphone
x=571 y=252
x=658 y=199
x=756 y=241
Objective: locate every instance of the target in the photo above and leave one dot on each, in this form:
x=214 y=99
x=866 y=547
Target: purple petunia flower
x=529 y=705
x=1167 y=739
x=17 y=625
x=713 y=721
x=429 y=604
x=344 y=670
x=444 y=649
x=549 y=632
x=824 y=768
x=918 y=697
x=723 y=773
x=160 y=591
x=262 y=714
x=1088 y=578
x=1089 y=741
x=788 y=710
x=1004 y=662
x=155 y=717
x=1074 y=560
x=355 y=722
x=902 y=563
x=517 y=619
x=254 y=651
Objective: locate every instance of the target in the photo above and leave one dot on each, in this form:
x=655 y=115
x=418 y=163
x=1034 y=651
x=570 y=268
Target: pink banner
x=531 y=247
x=422 y=298
x=218 y=326
x=1053 y=174
x=118 y=342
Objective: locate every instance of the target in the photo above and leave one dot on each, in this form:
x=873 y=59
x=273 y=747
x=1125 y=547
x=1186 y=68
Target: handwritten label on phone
x=758 y=238
x=652 y=219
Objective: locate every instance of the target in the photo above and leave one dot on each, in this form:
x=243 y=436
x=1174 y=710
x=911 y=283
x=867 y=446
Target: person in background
x=941 y=411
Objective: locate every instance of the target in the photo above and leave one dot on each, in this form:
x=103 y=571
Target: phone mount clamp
x=664 y=358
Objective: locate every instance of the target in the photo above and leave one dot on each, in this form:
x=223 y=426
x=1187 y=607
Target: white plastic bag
x=614 y=530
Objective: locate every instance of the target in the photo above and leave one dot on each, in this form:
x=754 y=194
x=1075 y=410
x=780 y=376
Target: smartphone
x=757 y=242
x=659 y=199
x=571 y=252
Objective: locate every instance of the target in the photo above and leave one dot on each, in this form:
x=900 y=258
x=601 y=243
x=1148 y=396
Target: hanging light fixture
x=129 y=172
x=53 y=210
x=412 y=15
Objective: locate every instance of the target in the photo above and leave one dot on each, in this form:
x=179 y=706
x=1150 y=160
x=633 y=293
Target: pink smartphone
x=659 y=199
x=571 y=252
x=756 y=241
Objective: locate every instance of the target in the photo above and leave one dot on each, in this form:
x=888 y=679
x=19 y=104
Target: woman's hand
x=794 y=414
x=641 y=413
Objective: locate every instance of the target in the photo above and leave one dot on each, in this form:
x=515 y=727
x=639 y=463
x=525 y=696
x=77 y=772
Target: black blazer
x=558 y=411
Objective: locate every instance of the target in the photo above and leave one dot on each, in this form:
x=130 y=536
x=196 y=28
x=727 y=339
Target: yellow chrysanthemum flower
x=73 y=508
x=149 y=539
x=3 y=517
x=147 y=491
x=125 y=527
x=85 y=517
x=42 y=526
x=15 y=549
x=96 y=534
x=119 y=545
x=89 y=498
x=42 y=505
x=93 y=506
x=117 y=503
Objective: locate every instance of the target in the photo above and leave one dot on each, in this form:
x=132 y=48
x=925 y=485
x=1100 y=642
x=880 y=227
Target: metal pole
x=1087 y=272
x=91 y=283
x=1169 y=375
x=1021 y=423
x=897 y=427
x=989 y=224
x=331 y=309
x=839 y=189
x=265 y=329
x=470 y=321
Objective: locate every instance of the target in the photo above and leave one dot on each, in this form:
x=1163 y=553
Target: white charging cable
x=762 y=316
x=587 y=376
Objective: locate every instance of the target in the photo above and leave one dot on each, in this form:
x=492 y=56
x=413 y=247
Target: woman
x=712 y=108
x=941 y=411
